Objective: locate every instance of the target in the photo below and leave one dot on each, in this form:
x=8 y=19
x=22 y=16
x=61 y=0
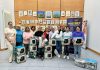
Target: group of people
x=17 y=37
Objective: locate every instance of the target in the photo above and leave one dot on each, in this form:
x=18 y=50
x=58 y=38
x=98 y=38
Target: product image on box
x=32 y=55
x=20 y=50
x=20 y=59
x=91 y=64
x=48 y=55
x=33 y=41
x=80 y=63
x=65 y=42
x=33 y=48
x=79 y=41
x=52 y=42
x=48 y=48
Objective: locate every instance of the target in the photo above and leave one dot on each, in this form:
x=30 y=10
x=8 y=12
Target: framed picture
x=36 y=21
x=30 y=12
x=27 y=21
x=23 y=21
x=61 y=21
x=68 y=13
x=40 y=21
x=56 y=21
x=52 y=22
x=63 y=13
x=48 y=21
x=41 y=14
x=44 y=21
x=56 y=14
x=21 y=13
x=25 y=13
x=34 y=13
x=77 y=13
x=65 y=22
x=48 y=14
x=31 y=21
x=72 y=13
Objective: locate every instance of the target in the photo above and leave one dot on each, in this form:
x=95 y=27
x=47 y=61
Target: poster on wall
x=34 y=13
x=48 y=14
x=30 y=12
x=68 y=13
x=25 y=13
x=56 y=14
x=61 y=21
x=48 y=21
x=77 y=13
x=23 y=21
x=72 y=13
x=63 y=13
x=41 y=14
x=44 y=21
x=74 y=22
x=31 y=21
x=52 y=22
x=21 y=13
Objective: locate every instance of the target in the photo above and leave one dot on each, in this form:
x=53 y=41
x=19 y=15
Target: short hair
x=68 y=27
x=9 y=22
x=33 y=27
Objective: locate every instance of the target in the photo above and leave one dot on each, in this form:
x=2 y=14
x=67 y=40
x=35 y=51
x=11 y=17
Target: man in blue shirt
x=19 y=36
x=78 y=39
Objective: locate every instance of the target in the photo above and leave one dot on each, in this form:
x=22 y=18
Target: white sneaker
x=67 y=57
x=27 y=56
x=58 y=56
x=74 y=58
x=64 y=56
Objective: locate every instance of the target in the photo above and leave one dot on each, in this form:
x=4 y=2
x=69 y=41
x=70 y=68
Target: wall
x=8 y=6
x=92 y=14
x=43 y=5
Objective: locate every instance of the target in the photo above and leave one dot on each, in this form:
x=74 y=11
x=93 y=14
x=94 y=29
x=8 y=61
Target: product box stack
x=48 y=50
x=33 y=48
x=19 y=54
x=88 y=63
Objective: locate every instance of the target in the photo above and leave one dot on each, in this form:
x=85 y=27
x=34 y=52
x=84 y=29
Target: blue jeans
x=59 y=47
x=77 y=51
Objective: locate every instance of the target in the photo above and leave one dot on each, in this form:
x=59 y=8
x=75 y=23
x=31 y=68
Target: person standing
x=40 y=48
x=58 y=37
x=19 y=36
x=50 y=37
x=85 y=31
x=33 y=29
x=46 y=33
x=77 y=47
x=27 y=35
x=67 y=35
x=10 y=36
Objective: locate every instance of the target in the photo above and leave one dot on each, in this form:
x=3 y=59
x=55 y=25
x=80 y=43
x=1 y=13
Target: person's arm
x=61 y=33
x=54 y=34
x=82 y=38
x=24 y=36
x=73 y=34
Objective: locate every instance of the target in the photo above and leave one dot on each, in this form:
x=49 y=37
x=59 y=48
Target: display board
x=51 y=12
